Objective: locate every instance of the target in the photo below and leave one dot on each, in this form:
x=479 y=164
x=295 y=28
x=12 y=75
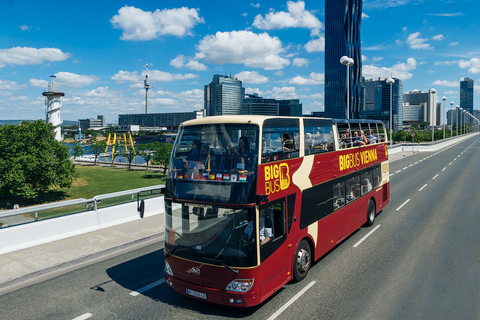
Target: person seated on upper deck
x=371 y=138
x=243 y=153
x=357 y=140
x=194 y=153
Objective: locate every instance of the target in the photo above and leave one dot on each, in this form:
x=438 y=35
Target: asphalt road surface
x=420 y=260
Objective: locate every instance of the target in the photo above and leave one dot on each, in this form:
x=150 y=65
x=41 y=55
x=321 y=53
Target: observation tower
x=54 y=104
x=146 y=86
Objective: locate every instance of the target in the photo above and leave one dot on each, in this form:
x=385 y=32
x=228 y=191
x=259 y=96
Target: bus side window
x=273 y=215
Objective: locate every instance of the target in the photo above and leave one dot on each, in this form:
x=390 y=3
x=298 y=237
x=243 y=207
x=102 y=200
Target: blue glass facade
x=342 y=38
x=466 y=94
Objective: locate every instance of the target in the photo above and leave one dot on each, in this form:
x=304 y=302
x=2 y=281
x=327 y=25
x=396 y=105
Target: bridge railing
x=62 y=208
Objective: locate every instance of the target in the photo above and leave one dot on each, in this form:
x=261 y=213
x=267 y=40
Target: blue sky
x=98 y=51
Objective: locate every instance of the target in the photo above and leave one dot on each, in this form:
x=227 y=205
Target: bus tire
x=302 y=261
x=371 y=213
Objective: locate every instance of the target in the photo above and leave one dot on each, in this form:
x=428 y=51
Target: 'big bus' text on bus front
x=276 y=178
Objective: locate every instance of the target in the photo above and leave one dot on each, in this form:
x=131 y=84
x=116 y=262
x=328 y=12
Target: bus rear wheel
x=302 y=261
x=371 y=213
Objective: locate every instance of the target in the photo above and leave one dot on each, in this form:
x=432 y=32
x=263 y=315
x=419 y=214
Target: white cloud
x=473 y=65
x=102 y=92
x=316 y=45
x=453 y=44
x=315 y=79
x=295 y=17
x=399 y=70
x=255 y=5
x=74 y=80
x=415 y=42
x=179 y=62
x=300 y=62
x=25 y=27
x=11 y=85
x=242 y=47
x=139 y=25
x=153 y=75
x=438 y=37
x=251 y=77
x=282 y=93
x=39 y=83
x=446 y=83
x=383 y=4
x=365 y=16
x=27 y=56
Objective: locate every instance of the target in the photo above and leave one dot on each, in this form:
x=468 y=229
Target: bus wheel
x=302 y=262
x=371 y=213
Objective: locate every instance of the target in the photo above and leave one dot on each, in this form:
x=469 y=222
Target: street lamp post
x=444 y=113
x=391 y=81
x=456 y=109
x=451 y=118
x=346 y=61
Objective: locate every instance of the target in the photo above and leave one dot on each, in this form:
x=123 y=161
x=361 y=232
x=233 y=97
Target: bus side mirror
x=141 y=209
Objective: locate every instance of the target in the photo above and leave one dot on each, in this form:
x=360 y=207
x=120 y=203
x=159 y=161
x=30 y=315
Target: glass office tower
x=342 y=38
x=223 y=96
x=466 y=94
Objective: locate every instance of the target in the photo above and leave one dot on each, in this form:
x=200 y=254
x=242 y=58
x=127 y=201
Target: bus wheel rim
x=303 y=260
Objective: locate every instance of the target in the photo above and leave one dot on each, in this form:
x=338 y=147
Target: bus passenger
x=242 y=152
x=194 y=153
x=357 y=140
x=371 y=138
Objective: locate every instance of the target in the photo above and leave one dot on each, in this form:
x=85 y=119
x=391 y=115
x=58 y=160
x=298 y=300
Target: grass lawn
x=96 y=180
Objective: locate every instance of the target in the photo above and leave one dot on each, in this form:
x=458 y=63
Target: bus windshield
x=210 y=233
x=214 y=163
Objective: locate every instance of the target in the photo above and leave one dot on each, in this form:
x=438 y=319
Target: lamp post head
x=390 y=81
x=346 y=61
x=444 y=98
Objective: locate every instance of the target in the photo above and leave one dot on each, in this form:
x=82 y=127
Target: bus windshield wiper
x=221 y=261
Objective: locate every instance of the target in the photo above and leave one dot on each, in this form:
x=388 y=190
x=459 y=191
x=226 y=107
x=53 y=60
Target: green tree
x=32 y=161
x=78 y=150
x=129 y=156
x=162 y=155
x=97 y=147
x=146 y=151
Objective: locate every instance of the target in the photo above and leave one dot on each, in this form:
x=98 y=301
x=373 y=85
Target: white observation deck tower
x=54 y=104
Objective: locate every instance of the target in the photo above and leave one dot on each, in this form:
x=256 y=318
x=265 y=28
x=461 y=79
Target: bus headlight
x=240 y=285
x=168 y=270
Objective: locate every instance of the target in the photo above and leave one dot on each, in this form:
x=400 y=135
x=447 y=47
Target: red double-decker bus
x=251 y=202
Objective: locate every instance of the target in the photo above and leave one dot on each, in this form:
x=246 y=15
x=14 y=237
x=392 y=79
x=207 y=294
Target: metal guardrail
x=89 y=203
x=398 y=145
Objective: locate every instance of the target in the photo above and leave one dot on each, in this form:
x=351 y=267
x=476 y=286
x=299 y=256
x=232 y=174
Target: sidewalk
x=39 y=260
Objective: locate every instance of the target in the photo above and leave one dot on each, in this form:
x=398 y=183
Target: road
x=421 y=260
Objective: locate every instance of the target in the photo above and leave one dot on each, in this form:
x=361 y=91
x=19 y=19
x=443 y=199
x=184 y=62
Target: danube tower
x=146 y=86
x=54 y=104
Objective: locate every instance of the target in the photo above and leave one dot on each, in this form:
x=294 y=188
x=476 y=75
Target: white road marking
x=150 y=286
x=83 y=316
x=366 y=236
x=291 y=301
x=444 y=169
x=403 y=205
x=422 y=188
x=435 y=177
x=398 y=171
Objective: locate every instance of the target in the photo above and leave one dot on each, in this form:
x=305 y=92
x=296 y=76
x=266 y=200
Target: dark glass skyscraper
x=342 y=38
x=466 y=94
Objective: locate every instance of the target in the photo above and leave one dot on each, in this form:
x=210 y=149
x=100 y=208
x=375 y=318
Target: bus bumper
x=218 y=296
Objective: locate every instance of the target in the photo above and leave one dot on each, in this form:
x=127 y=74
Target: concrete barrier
x=40 y=232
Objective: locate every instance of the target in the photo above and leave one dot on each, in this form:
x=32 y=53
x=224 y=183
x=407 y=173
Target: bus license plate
x=197 y=294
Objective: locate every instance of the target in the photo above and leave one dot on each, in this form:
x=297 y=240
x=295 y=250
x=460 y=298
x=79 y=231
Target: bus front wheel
x=302 y=261
x=371 y=213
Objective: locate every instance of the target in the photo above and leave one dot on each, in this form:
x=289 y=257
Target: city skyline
x=98 y=52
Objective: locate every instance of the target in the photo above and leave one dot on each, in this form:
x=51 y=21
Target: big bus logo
x=276 y=178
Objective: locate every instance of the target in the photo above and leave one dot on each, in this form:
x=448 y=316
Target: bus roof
x=259 y=119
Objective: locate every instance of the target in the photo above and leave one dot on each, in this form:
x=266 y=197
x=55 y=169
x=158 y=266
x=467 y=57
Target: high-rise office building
x=466 y=94
x=342 y=38
x=378 y=96
x=427 y=99
x=223 y=96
